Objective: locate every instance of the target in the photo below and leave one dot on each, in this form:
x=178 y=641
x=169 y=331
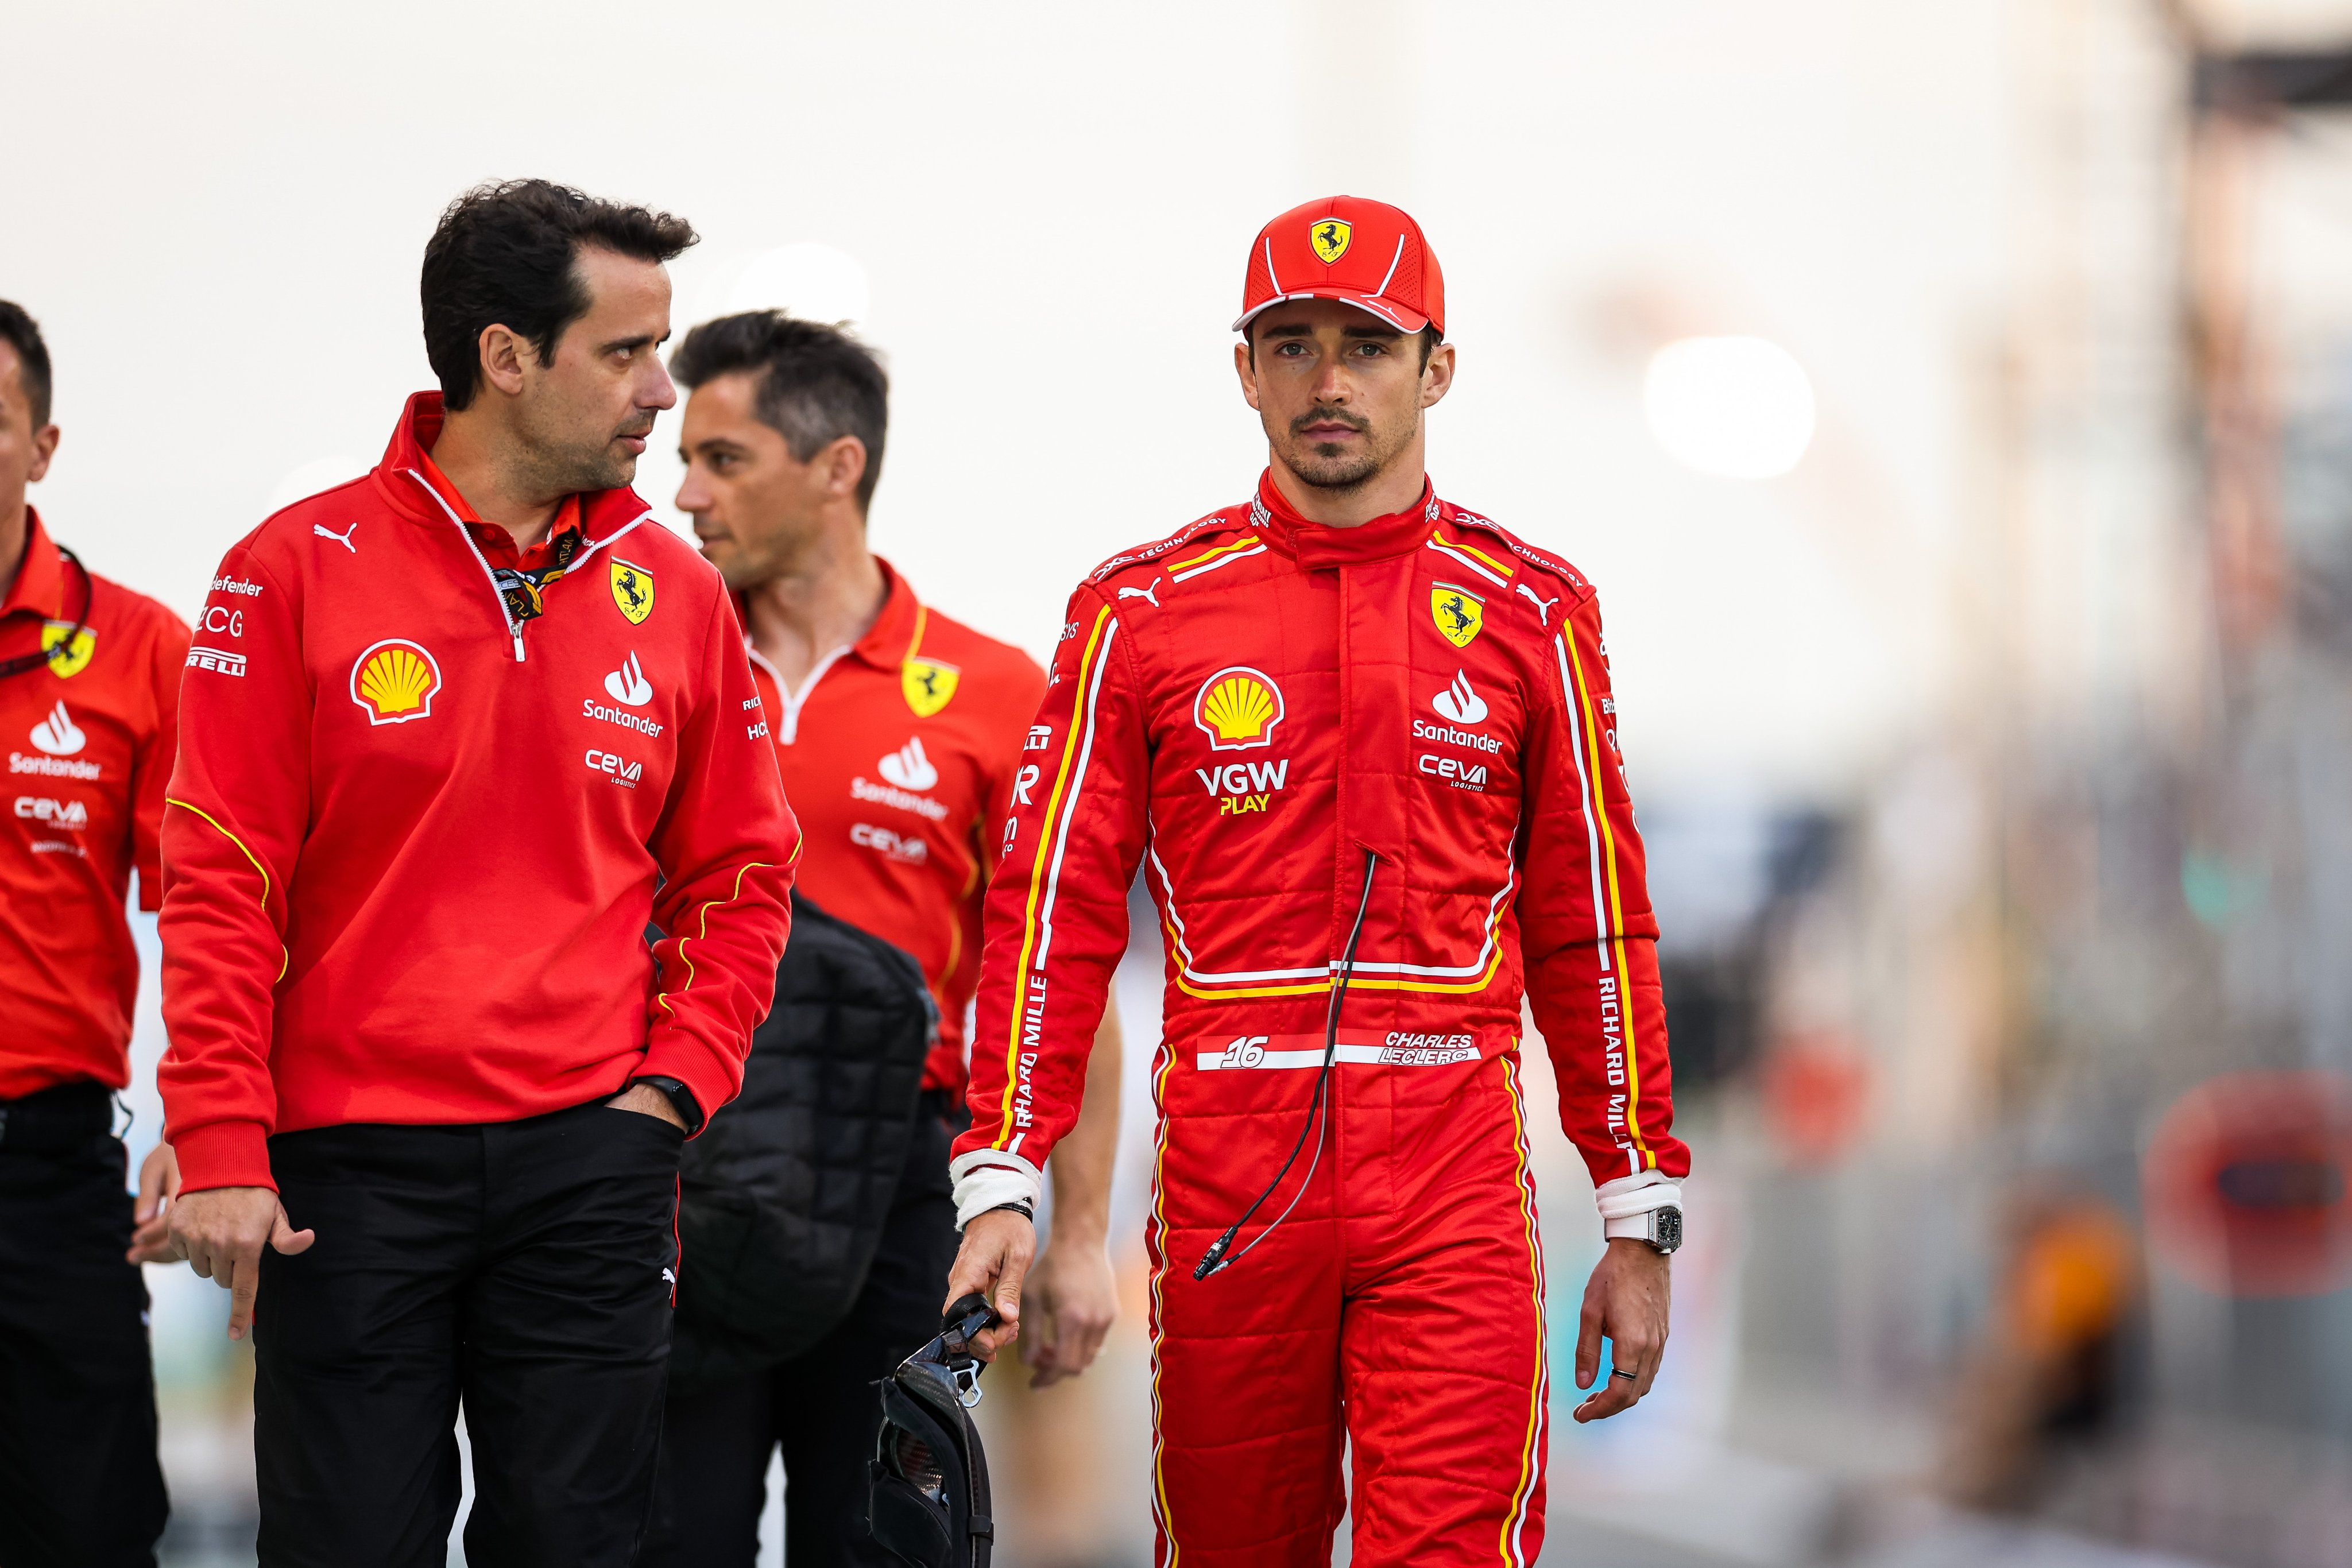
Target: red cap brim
x=1388 y=310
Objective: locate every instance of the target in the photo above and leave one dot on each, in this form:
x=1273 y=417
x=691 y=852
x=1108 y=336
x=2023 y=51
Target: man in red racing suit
x=1345 y=720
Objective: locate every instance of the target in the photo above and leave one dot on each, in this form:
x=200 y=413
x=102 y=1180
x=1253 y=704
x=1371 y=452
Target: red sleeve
x=235 y=811
x=1587 y=938
x=1057 y=920
x=151 y=763
x=726 y=844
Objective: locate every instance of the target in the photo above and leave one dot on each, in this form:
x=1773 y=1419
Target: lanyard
x=24 y=662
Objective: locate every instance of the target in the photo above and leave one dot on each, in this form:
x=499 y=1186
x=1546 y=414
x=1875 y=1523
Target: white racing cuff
x=985 y=1178
x=1626 y=1203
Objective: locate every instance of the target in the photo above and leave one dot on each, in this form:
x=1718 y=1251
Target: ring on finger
x=1628 y=1376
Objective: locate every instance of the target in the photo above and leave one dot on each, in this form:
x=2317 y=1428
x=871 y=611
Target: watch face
x=1669 y=1229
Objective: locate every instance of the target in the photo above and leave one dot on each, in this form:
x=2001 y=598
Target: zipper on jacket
x=514 y=628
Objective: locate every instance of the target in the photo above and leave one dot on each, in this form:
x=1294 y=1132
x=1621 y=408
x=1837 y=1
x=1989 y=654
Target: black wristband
x=1020 y=1206
x=681 y=1100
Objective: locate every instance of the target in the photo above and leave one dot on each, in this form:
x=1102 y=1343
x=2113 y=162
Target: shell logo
x=1238 y=708
x=394 y=681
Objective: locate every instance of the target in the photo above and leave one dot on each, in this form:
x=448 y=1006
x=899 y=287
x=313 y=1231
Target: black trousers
x=524 y=1269
x=821 y=1405
x=79 y=1487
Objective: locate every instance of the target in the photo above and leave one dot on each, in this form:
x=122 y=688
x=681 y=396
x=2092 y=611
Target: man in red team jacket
x=1363 y=741
x=900 y=732
x=90 y=677
x=471 y=723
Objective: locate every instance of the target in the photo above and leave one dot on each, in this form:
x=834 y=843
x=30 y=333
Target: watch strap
x=681 y=1098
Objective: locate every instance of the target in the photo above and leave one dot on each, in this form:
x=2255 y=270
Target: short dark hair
x=816 y=384
x=503 y=254
x=22 y=333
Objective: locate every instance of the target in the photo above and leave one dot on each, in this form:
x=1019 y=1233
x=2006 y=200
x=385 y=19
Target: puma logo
x=1543 y=606
x=1150 y=595
x=344 y=538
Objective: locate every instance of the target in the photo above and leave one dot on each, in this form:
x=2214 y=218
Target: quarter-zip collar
x=496 y=541
x=416 y=489
x=1320 y=545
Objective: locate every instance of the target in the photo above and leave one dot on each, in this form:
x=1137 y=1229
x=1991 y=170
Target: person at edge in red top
x=900 y=735
x=1364 y=743
x=484 y=720
x=90 y=676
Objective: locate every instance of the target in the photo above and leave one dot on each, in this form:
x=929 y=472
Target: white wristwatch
x=1660 y=1228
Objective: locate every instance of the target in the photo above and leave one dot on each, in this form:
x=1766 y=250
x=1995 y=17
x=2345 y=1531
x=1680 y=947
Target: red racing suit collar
x=1314 y=544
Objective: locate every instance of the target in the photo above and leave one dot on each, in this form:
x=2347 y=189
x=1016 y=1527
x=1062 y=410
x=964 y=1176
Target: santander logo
x=1457 y=703
x=57 y=735
x=628 y=684
x=908 y=767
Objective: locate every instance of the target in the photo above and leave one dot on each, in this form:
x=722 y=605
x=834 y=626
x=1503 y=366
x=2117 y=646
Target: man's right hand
x=221 y=1232
x=997 y=1249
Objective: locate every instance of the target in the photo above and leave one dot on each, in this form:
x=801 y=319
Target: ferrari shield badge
x=928 y=685
x=1458 y=613
x=66 y=661
x=1331 y=238
x=633 y=591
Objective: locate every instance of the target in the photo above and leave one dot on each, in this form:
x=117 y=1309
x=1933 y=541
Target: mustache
x=1354 y=422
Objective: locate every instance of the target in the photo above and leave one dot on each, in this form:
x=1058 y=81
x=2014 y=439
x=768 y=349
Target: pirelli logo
x=218 y=661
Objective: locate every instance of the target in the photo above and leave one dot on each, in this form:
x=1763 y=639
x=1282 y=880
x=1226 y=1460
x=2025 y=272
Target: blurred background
x=1953 y=399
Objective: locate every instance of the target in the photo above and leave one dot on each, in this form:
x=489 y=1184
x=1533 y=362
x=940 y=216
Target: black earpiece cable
x=1214 y=1260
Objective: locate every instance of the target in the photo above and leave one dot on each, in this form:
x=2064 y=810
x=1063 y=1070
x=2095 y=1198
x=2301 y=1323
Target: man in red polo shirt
x=476 y=720
x=90 y=674
x=902 y=736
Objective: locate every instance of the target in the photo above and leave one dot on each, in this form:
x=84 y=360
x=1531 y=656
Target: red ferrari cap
x=1368 y=254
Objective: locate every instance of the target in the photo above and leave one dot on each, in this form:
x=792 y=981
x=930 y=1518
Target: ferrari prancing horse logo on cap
x=1329 y=238
x=633 y=591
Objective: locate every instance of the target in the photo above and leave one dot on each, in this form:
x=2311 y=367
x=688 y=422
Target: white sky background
x=217 y=215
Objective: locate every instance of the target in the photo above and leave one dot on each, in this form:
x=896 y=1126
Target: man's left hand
x=158 y=1184
x=1625 y=1301
x=648 y=1101
x=1073 y=1302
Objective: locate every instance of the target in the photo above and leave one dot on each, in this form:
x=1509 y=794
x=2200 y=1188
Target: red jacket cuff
x=223 y=1154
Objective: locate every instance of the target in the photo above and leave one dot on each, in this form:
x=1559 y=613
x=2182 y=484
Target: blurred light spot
x=1816 y=1095
x=2218 y=890
x=2244 y=1181
x=813 y=282
x=1741 y=408
x=318 y=474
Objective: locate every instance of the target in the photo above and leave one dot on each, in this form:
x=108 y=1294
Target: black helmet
x=928 y=1502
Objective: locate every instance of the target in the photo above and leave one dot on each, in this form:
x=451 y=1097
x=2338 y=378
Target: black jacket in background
x=783 y=1197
